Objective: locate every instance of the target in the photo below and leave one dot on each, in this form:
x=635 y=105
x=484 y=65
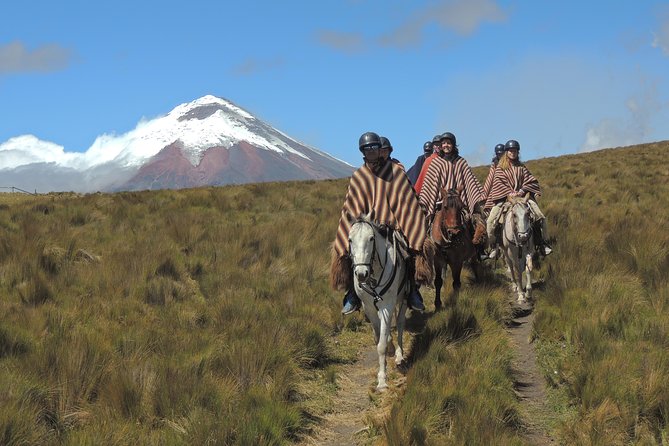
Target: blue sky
x=560 y=77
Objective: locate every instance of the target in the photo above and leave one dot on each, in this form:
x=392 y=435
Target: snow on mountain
x=195 y=127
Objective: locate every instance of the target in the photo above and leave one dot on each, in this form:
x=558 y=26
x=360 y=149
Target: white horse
x=518 y=246
x=379 y=276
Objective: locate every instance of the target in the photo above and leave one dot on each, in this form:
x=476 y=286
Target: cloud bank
x=16 y=58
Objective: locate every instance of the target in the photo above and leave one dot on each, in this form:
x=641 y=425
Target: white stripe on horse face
x=361 y=248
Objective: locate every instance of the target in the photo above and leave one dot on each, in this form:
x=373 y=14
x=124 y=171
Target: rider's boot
x=415 y=300
x=480 y=251
x=351 y=302
x=492 y=241
x=542 y=242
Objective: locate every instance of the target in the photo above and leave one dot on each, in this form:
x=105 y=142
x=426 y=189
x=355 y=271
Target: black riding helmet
x=450 y=136
x=512 y=144
x=370 y=140
x=427 y=147
x=385 y=144
x=436 y=139
x=499 y=150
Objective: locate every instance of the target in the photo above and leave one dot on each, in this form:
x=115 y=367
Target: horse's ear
x=526 y=197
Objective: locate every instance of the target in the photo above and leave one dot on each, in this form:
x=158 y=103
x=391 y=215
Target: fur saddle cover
x=341 y=268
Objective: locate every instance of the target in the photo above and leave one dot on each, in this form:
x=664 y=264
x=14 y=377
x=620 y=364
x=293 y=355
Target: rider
x=381 y=189
x=449 y=170
x=512 y=179
x=387 y=149
x=414 y=170
x=499 y=151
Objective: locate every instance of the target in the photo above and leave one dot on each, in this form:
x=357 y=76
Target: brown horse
x=451 y=238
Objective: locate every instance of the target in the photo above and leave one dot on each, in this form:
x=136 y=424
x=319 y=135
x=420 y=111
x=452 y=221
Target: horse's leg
x=385 y=314
x=438 y=282
x=456 y=271
x=401 y=318
x=528 y=275
x=520 y=272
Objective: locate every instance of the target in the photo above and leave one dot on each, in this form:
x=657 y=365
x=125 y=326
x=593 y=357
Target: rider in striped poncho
x=512 y=179
x=447 y=169
x=381 y=188
x=499 y=151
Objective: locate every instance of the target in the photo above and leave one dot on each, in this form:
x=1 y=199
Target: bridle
x=448 y=231
x=517 y=235
x=370 y=285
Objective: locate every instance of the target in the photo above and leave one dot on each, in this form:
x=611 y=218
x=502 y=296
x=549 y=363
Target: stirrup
x=351 y=303
x=492 y=255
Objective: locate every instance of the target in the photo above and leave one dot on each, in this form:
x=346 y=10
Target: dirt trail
x=357 y=402
x=530 y=385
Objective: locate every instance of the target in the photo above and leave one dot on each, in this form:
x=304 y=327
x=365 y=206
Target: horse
x=380 y=280
x=518 y=246
x=452 y=242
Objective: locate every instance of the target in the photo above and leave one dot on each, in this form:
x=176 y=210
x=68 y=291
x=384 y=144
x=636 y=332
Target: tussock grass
x=204 y=316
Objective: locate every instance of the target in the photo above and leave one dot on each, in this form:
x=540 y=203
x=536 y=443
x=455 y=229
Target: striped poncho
x=511 y=179
x=450 y=175
x=488 y=180
x=389 y=199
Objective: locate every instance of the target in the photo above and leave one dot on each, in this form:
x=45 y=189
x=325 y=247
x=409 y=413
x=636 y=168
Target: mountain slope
x=209 y=141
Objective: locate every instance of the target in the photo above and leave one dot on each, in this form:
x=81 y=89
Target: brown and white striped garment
x=488 y=180
x=449 y=175
x=390 y=199
x=511 y=179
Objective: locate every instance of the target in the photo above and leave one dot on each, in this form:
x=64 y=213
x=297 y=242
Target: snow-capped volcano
x=208 y=141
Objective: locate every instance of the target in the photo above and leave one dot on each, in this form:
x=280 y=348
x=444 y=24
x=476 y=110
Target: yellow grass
x=204 y=316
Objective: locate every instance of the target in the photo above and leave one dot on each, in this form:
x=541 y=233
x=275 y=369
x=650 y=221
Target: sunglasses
x=371 y=147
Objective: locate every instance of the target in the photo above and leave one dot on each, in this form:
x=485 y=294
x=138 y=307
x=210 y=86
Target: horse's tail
x=341 y=272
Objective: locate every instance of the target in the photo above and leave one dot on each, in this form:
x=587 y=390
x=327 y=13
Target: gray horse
x=518 y=246
x=379 y=277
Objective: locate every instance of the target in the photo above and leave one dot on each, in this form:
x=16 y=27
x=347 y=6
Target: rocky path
x=530 y=385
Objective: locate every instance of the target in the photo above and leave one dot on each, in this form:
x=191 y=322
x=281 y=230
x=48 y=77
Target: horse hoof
x=382 y=388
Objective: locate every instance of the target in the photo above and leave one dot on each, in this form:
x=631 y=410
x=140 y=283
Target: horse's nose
x=362 y=274
x=523 y=236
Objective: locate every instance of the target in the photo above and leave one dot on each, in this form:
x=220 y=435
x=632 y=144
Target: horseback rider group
x=407 y=201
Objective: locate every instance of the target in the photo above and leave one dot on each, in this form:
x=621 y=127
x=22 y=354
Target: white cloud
x=634 y=128
x=661 y=36
x=462 y=17
x=553 y=105
x=16 y=58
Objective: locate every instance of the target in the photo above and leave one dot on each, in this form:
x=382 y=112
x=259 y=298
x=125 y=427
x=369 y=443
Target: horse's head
x=520 y=211
x=448 y=222
x=361 y=240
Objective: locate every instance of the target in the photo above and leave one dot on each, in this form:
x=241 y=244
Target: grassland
x=204 y=316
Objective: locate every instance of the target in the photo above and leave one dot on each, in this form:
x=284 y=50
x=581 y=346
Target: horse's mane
x=453 y=200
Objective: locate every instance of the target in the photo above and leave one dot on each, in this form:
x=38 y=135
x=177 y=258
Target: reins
x=369 y=286
x=515 y=240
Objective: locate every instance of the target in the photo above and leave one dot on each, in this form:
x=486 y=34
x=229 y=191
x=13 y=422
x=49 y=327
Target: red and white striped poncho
x=488 y=180
x=391 y=200
x=511 y=179
x=450 y=175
